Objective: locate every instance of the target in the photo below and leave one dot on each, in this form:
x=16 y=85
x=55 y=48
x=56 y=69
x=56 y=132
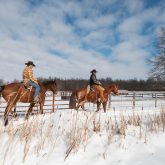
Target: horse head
x=112 y=88
x=50 y=85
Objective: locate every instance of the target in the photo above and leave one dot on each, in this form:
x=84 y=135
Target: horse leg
x=98 y=106
x=14 y=113
x=29 y=110
x=42 y=101
x=82 y=106
x=6 y=115
x=41 y=107
x=104 y=106
x=78 y=106
x=7 y=111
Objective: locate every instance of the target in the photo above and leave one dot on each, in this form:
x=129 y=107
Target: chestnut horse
x=82 y=95
x=16 y=92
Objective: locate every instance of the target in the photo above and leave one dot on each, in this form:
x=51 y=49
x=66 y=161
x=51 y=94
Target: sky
x=69 y=38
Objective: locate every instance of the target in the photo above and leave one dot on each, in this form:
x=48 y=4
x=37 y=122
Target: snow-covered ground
x=125 y=135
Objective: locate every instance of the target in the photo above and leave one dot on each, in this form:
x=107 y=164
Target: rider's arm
x=95 y=80
x=30 y=72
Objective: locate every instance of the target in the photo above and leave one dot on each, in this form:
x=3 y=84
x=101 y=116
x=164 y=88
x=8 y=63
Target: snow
x=124 y=135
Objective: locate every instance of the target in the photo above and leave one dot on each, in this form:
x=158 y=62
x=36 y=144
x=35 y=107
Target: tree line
x=131 y=85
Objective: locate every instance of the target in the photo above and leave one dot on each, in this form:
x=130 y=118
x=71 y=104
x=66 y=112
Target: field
x=130 y=132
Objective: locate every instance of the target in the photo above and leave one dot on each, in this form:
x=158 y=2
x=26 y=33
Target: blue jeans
x=36 y=88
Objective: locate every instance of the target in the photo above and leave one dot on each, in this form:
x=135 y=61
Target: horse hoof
x=15 y=115
x=5 y=122
x=26 y=117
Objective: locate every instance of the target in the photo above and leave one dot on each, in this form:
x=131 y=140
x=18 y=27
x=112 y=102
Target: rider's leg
x=36 y=88
x=101 y=93
x=100 y=89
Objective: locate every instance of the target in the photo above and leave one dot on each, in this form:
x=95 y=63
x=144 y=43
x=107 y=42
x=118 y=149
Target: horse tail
x=73 y=100
x=1 y=89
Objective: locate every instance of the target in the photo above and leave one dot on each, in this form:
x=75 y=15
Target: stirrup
x=27 y=87
x=36 y=100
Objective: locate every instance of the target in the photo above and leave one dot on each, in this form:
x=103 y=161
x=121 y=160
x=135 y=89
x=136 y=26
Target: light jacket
x=28 y=75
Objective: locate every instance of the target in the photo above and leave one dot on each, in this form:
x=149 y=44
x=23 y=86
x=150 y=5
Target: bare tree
x=158 y=70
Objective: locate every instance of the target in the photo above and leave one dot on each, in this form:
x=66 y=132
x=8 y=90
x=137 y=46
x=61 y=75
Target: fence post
x=53 y=102
x=133 y=99
x=155 y=100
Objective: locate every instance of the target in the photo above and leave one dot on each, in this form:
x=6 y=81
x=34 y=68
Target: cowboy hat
x=94 y=70
x=30 y=63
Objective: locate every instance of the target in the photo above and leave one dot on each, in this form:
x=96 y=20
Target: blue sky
x=69 y=38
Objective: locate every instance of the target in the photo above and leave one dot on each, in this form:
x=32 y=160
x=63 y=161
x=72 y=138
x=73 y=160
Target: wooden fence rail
x=61 y=100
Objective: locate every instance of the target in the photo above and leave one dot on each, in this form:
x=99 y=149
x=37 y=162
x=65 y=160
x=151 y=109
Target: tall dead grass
x=41 y=134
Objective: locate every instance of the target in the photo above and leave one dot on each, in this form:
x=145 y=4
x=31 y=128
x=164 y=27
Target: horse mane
x=109 y=87
x=48 y=82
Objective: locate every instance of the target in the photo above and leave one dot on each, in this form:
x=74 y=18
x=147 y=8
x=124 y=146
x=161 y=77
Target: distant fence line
x=136 y=96
x=60 y=100
x=132 y=95
x=126 y=93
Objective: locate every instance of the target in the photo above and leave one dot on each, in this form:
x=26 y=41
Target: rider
x=29 y=79
x=94 y=83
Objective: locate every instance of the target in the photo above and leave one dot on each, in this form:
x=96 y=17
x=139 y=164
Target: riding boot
x=36 y=100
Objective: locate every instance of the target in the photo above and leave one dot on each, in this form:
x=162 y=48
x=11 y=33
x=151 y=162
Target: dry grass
x=40 y=136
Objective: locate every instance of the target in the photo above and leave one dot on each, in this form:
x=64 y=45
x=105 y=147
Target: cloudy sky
x=68 y=38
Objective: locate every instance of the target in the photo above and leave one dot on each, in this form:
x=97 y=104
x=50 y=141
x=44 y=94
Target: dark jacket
x=93 y=80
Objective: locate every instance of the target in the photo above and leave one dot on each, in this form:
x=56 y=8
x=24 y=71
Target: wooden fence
x=52 y=103
x=141 y=95
x=61 y=100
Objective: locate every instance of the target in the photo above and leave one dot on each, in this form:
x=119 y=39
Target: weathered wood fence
x=52 y=103
x=61 y=100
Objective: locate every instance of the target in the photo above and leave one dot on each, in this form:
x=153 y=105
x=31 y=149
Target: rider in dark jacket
x=94 y=83
x=93 y=79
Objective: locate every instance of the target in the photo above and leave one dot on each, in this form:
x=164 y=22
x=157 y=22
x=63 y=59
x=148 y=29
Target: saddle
x=91 y=89
x=27 y=86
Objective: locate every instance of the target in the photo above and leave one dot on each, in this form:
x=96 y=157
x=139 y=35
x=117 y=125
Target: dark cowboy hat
x=94 y=71
x=30 y=63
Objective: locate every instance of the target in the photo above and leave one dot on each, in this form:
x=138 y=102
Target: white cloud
x=134 y=6
x=96 y=22
x=31 y=33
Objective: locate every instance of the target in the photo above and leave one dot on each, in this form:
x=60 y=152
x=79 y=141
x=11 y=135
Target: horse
x=82 y=95
x=17 y=92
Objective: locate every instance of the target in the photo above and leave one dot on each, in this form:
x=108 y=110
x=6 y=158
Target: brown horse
x=16 y=92
x=81 y=96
